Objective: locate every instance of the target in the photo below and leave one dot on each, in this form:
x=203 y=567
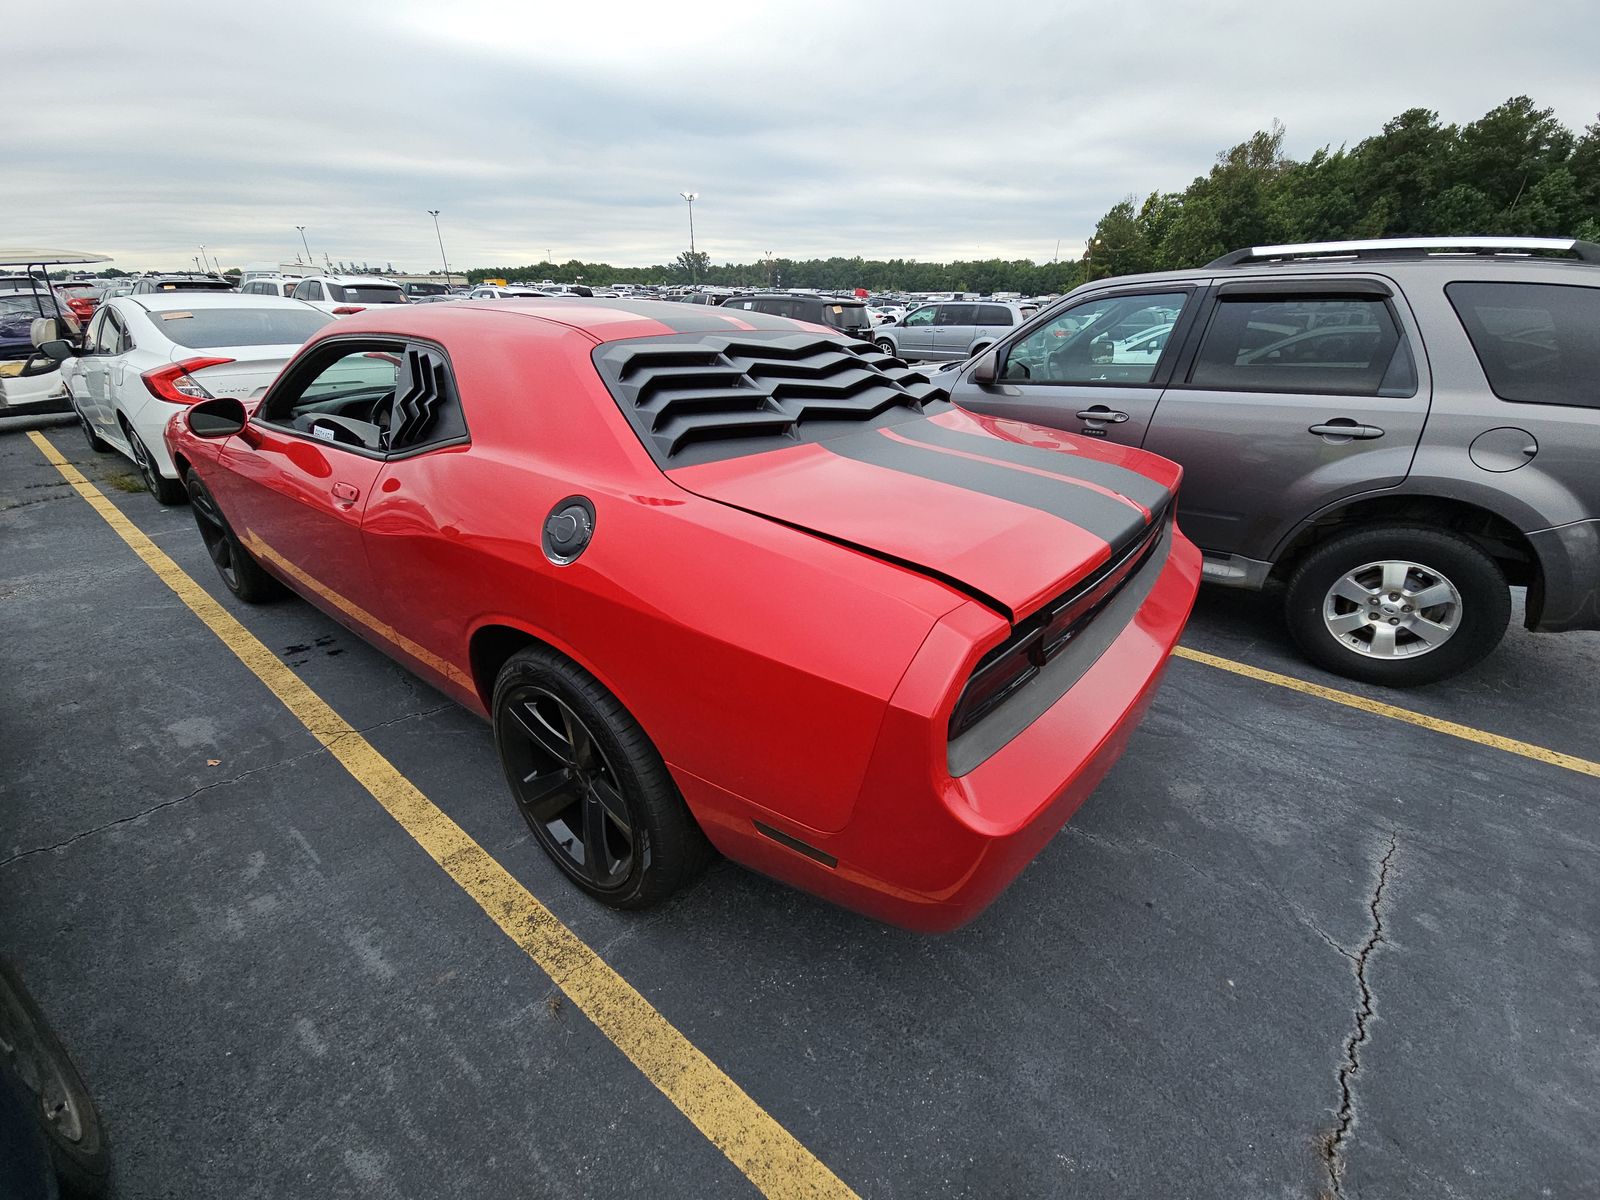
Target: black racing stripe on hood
x=1141 y=489
x=1111 y=520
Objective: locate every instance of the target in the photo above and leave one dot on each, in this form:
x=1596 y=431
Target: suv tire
x=888 y=347
x=1347 y=595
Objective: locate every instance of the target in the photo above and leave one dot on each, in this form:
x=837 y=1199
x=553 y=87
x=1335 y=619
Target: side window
x=1539 y=343
x=922 y=316
x=1337 y=346
x=994 y=314
x=1110 y=339
x=97 y=328
x=348 y=398
x=302 y=290
x=113 y=337
x=957 y=314
x=335 y=292
x=378 y=396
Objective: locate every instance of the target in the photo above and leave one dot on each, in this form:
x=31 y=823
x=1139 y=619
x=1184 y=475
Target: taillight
x=344 y=310
x=175 y=383
x=1045 y=634
x=1002 y=671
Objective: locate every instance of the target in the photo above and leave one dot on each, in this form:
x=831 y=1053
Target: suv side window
x=922 y=316
x=1342 y=346
x=1108 y=339
x=1538 y=343
x=957 y=314
x=994 y=314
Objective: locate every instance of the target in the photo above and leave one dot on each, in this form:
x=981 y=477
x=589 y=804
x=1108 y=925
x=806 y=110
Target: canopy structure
x=27 y=256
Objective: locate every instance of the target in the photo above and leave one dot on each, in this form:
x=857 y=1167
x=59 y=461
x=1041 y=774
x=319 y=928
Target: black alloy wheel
x=567 y=789
x=590 y=784
x=244 y=577
x=167 y=491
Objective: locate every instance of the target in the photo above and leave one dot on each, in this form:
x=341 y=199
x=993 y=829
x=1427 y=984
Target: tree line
x=1516 y=170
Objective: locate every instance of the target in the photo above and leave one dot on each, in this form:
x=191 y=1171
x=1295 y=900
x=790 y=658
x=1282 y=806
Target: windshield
x=208 y=329
x=365 y=293
x=846 y=316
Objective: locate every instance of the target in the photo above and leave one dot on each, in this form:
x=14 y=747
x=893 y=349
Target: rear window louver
x=683 y=395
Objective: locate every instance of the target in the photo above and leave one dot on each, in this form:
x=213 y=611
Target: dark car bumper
x=1567 y=595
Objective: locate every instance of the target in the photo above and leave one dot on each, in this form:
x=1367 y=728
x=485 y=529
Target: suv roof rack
x=1419 y=247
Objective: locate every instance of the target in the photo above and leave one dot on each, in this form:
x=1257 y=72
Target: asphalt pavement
x=1284 y=936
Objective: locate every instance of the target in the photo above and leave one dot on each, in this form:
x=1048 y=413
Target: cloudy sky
x=924 y=129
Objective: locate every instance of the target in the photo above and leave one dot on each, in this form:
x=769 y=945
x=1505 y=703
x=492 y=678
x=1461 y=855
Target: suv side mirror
x=58 y=350
x=218 y=418
x=987 y=368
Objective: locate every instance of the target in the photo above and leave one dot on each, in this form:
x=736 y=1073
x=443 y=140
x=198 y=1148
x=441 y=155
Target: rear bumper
x=1568 y=595
x=929 y=850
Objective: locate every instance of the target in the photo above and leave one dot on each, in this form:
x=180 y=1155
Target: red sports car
x=715 y=579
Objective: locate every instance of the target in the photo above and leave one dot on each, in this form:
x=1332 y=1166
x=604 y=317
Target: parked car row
x=1395 y=432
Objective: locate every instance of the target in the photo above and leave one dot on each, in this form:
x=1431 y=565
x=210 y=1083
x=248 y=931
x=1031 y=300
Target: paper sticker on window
x=176 y=316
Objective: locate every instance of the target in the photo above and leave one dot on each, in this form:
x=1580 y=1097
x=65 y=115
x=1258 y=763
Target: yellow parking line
x=1350 y=700
x=770 y=1156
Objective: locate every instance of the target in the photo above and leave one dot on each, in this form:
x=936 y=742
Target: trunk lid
x=247 y=376
x=1009 y=523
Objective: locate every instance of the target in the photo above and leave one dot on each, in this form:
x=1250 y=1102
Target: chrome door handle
x=1341 y=428
x=1103 y=414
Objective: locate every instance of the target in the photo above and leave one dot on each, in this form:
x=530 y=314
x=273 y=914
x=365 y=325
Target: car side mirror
x=58 y=350
x=218 y=418
x=987 y=368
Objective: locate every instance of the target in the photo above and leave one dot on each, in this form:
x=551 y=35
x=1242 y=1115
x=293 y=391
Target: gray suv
x=951 y=330
x=1393 y=430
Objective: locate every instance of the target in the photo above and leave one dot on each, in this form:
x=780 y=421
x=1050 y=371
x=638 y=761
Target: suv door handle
x=1101 y=413
x=1343 y=427
x=346 y=493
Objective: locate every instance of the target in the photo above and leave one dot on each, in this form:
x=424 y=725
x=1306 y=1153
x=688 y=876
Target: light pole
x=434 y=213
x=309 y=260
x=691 y=197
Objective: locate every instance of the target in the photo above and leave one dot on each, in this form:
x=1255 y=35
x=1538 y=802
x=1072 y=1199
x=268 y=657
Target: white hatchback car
x=145 y=357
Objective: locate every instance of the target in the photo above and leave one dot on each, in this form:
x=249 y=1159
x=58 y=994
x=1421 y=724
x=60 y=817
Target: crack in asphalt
x=216 y=783
x=1333 y=1144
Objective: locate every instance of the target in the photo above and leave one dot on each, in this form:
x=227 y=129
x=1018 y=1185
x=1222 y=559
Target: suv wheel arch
x=1492 y=533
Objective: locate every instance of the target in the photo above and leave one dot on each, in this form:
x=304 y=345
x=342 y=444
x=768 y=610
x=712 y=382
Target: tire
x=167 y=491
x=590 y=784
x=888 y=347
x=241 y=573
x=72 y=1133
x=1349 y=593
x=96 y=443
